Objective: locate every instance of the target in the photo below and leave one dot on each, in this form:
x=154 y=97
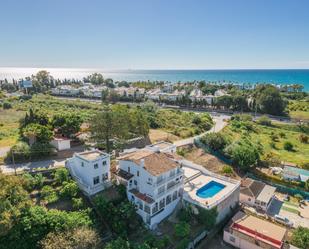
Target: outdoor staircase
x=192 y=177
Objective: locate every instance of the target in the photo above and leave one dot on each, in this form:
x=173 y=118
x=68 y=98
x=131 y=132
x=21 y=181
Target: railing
x=169 y=189
x=166 y=179
x=207 y=172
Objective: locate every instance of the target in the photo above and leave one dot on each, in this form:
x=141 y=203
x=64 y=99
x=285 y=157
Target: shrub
x=303 y=138
x=288 y=146
x=32 y=182
x=215 y=141
x=49 y=194
x=21 y=152
x=7 y=105
x=300 y=237
x=264 y=120
x=182 y=229
x=61 y=175
x=77 y=203
x=69 y=189
x=282 y=134
x=227 y=170
x=272 y=145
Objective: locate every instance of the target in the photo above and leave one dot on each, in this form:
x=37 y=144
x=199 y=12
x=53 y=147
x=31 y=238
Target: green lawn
x=284 y=133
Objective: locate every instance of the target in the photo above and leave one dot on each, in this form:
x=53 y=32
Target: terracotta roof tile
x=156 y=163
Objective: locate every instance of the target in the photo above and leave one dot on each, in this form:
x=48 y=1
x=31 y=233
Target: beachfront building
x=249 y=232
x=154 y=182
x=207 y=190
x=91 y=170
x=256 y=194
x=65 y=90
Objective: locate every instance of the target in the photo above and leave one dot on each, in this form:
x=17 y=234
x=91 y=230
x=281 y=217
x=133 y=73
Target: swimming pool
x=210 y=189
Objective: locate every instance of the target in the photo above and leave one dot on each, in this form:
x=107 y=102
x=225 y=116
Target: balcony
x=170 y=188
x=166 y=179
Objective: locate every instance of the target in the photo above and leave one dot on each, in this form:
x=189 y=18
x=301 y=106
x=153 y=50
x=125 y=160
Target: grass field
x=283 y=133
x=9 y=122
x=298 y=109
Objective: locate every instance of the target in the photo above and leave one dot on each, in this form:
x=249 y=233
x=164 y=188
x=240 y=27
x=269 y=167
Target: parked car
x=283 y=220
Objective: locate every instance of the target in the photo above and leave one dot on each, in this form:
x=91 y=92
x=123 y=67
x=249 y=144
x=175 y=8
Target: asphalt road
x=46 y=164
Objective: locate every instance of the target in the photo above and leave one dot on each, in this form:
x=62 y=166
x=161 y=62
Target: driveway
x=220 y=123
x=290 y=211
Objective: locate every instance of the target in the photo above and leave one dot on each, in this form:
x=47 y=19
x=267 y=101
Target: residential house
x=249 y=232
x=256 y=194
x=292 y=173
x=91 y=170
x=154 y=182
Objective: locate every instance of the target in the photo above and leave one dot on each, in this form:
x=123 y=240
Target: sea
x=252 y=76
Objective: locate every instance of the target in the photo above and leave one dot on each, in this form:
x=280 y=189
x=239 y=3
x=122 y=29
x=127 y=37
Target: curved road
x=220 y=123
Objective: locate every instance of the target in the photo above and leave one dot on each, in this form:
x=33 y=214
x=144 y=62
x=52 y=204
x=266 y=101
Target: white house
x=91 y=170
x=61 y=143
x=256 y=194
x=154 y=183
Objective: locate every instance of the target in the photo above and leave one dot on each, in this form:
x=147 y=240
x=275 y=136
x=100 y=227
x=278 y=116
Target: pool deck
x=194 y=184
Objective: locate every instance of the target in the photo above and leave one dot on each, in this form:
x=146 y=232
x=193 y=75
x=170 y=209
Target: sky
x=155 y=34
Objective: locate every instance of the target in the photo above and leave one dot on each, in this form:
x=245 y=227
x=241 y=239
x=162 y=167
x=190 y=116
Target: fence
x=199 y=144
x=281 y=188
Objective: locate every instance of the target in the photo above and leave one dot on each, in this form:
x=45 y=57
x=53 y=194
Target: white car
x=283 y=220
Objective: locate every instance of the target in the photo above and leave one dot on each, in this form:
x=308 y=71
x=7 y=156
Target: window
x=175 y=195
x=161 y=190
x=147 y=209
x=155 y=208
x=96 y=180
x=82 y=164
x=96 y=166
x=135 y=182
x=232 y=239
x=104 y=176
x=104 y=163
x=149 y=181
x=168 y=199
x=129 y=169
x=137 y=173
x=162 y=204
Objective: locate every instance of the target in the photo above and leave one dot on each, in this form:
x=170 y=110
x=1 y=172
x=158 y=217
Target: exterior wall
x=155 y=188
x=83 y=172
x=61 y=144
x=224 y=208
x=248 y=200
x=238 y=243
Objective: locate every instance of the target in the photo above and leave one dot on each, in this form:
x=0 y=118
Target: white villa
x=154 y=181
x=91 y=171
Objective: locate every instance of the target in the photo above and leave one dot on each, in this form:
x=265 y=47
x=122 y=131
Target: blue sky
x=155 y=34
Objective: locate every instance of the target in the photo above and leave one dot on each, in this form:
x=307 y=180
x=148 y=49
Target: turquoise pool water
x=210 y=189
